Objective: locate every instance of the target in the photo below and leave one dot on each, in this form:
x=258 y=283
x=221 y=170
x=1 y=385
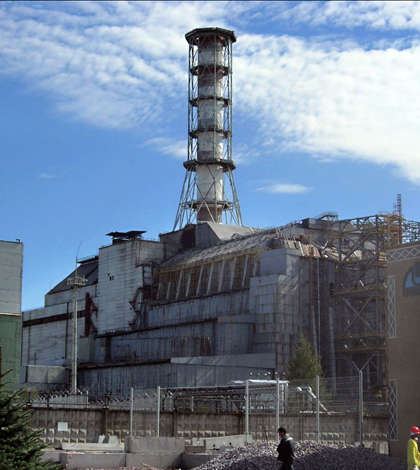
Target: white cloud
x=112 y=64
x=46 y=176
x=169 y=146
x=350 y=103
x=123 y=65
x=244 y=154
x=280 y=188
x=396 y=15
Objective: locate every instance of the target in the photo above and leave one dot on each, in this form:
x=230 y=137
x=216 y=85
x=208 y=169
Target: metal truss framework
x=209 y=132
x=392 y=307
x=188 y=207
x=358 y=296
x=393 y=411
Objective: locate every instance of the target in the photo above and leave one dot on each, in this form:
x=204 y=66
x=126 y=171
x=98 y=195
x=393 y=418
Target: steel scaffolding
x=357 y=297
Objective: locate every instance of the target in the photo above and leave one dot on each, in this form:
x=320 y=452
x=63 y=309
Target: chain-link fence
x=143 y=400
x=266 y=396
x=263 y=396
x=251 y=407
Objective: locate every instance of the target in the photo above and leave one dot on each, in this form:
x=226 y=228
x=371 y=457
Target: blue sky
x=93 y=117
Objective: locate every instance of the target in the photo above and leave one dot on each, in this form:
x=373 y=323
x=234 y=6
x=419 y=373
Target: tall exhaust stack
x=209 y=193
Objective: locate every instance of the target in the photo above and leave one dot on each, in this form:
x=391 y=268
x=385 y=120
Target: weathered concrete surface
x=189 y=461
x=91 y=447
x=105 y=439
x=225 y=441
x=86 y=424
x=105 y=460
x=156 y=459
x=195 y=449
x=159 y=452
x=379 y=447
x=148 y=445
x=85 y=461
x=53 y=455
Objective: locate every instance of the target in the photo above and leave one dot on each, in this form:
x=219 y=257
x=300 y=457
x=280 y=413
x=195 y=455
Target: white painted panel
x=209 y=183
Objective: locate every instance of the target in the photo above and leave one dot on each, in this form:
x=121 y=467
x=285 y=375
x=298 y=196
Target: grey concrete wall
x=212 y=232
x=66 y=296
x=210 y=338
x=11 y=264
x=189 y=461
x=275 y=301
x=46 y=336
x=49 y=344
x=92 y=461
x=280 y=261
x=177 y=372
x=156 y=460
x=118 y=280
x=211 y=443
x=44 y=374
x=120 y=274
x=85 y=425
x=214 y=306
x=171 y=445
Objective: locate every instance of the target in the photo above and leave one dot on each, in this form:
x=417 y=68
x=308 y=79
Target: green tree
x=20 y=446
x=303 y=368
x=303 y=364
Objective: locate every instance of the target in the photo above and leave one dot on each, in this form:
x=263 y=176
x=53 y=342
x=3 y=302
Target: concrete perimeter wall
x=84 y=425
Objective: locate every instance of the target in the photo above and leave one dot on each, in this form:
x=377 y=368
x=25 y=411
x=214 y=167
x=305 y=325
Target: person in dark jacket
x=286 y=449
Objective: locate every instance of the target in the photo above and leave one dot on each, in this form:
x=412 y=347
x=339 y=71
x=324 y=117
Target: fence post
x=131 y=410
x=246 y=411
x=317 y=408
x=361 y=407
x=104 y=420
x=158 y=413
x=277 y=408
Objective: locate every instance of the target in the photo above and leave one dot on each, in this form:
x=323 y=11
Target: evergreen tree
x=20 y=446
x=303 y=365
x=303 y=368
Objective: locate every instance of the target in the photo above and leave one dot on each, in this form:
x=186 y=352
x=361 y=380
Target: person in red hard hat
x=413 y=456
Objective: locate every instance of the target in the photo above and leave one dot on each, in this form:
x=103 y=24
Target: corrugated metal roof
x=262 y=239
x=87 y=269
x=241 y=244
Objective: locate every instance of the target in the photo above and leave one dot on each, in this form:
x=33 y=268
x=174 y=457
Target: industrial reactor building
x=213 y=300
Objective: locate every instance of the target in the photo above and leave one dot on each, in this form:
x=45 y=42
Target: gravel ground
x=309 y=456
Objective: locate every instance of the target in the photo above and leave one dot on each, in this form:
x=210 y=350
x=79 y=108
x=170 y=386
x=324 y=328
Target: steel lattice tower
x=209 y=193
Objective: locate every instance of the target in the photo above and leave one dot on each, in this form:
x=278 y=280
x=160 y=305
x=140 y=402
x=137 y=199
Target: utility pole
x=75 y=282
